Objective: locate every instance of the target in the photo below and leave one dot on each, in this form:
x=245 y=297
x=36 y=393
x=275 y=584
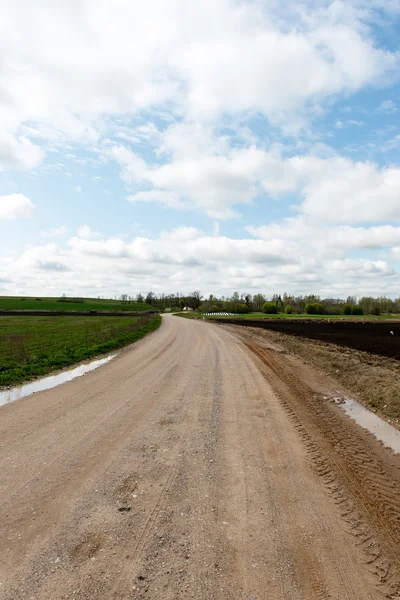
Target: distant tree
x=258 y=301
x=367 y=304
x=150 y=298
x=376 y=310
x=124 y=298
x=314 y=308
x=242 y=308
x=181 y=303
x=195 y=299
x=140 y=298
x=288 y=309
x=346 y=309
x=352 y=300
x=270 y=308
x=357 y=310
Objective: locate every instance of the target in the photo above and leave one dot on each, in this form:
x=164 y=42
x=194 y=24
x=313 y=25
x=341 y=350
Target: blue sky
x=232 y=145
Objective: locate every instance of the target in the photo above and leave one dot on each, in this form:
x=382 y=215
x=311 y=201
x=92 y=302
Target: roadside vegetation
x=34 y=346
x=260 y=315
x=275 y=304
x=124 y=303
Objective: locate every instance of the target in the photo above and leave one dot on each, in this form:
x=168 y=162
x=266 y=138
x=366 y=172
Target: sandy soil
x=198 y=464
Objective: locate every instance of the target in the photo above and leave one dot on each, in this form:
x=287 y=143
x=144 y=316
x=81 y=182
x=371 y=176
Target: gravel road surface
x=200 y=463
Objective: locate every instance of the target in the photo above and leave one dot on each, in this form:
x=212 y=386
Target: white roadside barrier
x=220 y=314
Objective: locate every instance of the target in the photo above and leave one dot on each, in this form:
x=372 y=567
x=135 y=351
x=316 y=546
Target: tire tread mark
x=367 y=500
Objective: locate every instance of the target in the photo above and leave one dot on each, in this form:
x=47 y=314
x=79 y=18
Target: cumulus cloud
x=50 y=257
x=193 y=259
x=16 y=206
x=201 y=171
x=326 y=240
x=18 y=152
x=351 y=192
x=84 y=231
x=173 y=102
x=361 y=268
x=55 y=232
x=185 y=246
x=388 y=107
x=207 y=172
x=92 y=60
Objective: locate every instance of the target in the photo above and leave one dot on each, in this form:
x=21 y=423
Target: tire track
x=365 y=491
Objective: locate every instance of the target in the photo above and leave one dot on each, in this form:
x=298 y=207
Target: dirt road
x=198 y=464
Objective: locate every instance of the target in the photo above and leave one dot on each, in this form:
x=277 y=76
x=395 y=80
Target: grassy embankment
x=198 y=315
x=34 y=346
x=26 y=304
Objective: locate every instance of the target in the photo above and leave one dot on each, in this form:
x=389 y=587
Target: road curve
x=198 y=464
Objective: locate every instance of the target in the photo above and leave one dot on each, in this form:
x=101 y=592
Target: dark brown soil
x=374 y=337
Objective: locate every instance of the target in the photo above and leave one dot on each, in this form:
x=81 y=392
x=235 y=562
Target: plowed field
x=374 y=337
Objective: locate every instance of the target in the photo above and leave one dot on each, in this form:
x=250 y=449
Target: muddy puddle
x=46 y=383
x=382 y=430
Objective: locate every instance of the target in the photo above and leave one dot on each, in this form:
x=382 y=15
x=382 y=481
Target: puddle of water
x=51 y=381
x=382 y=430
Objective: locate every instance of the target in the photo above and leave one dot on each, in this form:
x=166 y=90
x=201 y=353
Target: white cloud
x=16 y=206
x=56 y=232
x=350 y=122
x=327 y=241
x=360 y=268
x=18 y=152
x=388 y=107
x=188 y=246
x=206 y=172
x=42 y=258
x=85 y=232
x=187 y=258
x=184 y=90
x=161 y=197
x=350 y=192
x=91 y=60
x=203 y=172
x=391 y=144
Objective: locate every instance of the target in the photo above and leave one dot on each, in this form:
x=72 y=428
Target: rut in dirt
x=365 y=488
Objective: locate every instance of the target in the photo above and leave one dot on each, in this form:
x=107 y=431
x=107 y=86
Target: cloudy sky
x=220 y=145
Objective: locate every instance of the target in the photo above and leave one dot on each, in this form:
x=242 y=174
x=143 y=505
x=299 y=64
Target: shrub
x=288 y=309
x=270 y=308
x=357 y=310
x=347 y=309
x=376 y=310
x=242 y=309
x=314 y=309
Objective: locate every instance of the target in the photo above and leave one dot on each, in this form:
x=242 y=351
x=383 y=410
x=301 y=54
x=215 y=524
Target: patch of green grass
x=189 y=315
x=27 y=303
x=34 y=346
x=195 y=315
x=305 y=316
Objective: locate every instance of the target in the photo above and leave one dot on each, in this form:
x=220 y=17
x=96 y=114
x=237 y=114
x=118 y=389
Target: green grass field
x=34 y=346
x=197 y=315
x=26 y=303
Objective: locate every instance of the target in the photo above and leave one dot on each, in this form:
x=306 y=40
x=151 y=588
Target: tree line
x=276 y=303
